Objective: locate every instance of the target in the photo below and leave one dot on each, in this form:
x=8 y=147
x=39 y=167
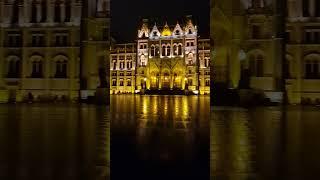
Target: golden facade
x=40 y=48
x=165 y=58
x=248 y=47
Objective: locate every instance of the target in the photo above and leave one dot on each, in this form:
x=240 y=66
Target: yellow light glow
x=166 y=31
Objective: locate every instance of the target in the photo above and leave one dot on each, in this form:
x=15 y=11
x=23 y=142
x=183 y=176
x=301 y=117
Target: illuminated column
x=63 y=12
x=38 y=12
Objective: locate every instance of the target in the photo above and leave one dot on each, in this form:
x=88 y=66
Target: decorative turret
x=155 y=33
x=144 y=31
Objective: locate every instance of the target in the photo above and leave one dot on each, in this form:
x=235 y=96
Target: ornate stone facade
x=40 y=42
x=303 y=51
x=164 y=58
x=256 y=40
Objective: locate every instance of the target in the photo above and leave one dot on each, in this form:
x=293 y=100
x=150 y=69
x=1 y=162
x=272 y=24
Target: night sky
x=126 y=15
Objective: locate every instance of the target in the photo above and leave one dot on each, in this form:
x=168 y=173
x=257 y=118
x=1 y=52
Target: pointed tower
x=190 y=55
x=143 y=56
x=95 y=40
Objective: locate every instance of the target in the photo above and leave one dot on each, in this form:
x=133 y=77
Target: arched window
x=57 y=12
x=190 y=58
x=157 y=51
x=37 y=69
x=114 y=64
x=121 y=64
x=163 y=50
x=129 y=64
x=312 y=68
x=128 y=82
x=180 y=50
x=153 y=53
x=61 y=69
x=143 y=60
x=175 y=50
x=13 y=67
x=256 y=65
x=168 y=50
x=206 y=62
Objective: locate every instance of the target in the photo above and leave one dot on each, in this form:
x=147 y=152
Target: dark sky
x=126 y=15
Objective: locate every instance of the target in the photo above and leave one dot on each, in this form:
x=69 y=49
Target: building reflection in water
x=54 y=142
x=264 y=143
x=162 y=136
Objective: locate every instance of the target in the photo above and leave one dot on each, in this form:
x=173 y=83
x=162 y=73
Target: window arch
x=13 y=66
x=256 y=64
x=163 y=53
x=179 y=49
x=61 y=66
x=190 y=58
x=175 y=49
x=312 y=66
x=114 y=64
x=36 y=66
x=143 y=60
x=168 y=50
x=206 y=62
x=153 y=51
x=157 y=50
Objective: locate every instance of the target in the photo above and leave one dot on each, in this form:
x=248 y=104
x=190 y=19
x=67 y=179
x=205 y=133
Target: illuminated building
x=164 y=58
x=123 y=66
x=248 y=47
x=40 y=48
x=303 y=51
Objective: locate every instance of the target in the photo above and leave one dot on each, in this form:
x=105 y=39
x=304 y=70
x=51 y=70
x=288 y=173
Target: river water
x=158 y=137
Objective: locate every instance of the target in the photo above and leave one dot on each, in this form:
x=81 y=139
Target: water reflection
x=54 y=142
x=160 y=137
x=265 y=143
